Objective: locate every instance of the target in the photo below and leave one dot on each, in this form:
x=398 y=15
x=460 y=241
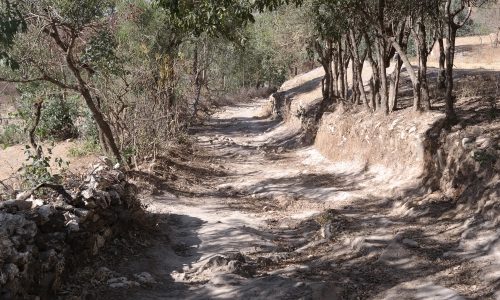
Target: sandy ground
x=12 y=159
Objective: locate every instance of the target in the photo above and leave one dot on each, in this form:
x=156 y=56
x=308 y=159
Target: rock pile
x=41 y=240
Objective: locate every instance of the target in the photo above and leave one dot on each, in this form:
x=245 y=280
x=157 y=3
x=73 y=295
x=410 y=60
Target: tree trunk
x=383 y=76
x=394 y=85
x=355 y=91
x=103 y=126
x=346 y=79
x=442 y=67
x=108 y=138
x=335 y=76
x=450 y=56
x=411 y=72
x=422 y=72
x=31 y=133
x=424 y=88
x=341 y=70
x=196 y=81
x=361 y=86
x=374 y=83
x=357 y=69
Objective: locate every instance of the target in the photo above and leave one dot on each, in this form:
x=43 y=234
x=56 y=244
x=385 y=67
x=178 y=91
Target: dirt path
x=256 y=221
x=245 y=230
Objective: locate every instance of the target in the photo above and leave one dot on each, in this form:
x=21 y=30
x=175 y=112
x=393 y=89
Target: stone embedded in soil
x=327 y=231
x=466 y=143
x=410 y=242
x=145 y=278
x=121 y=282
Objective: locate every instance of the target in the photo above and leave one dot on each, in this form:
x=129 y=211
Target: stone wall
x=42 y=239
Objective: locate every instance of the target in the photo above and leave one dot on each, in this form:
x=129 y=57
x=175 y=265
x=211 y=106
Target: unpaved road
x=256 y=203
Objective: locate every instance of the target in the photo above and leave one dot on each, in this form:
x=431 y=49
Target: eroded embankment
x=401 y=142
x=407 y=144
x=442 y=224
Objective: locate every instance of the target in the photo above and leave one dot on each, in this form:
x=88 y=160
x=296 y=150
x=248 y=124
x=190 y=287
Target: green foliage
x=87 y=128
x=86 y=148
x=100 y=52
x=12 y=134
x=37 y=169
x=57 y=117
x=331 y=18
x=11 y=22
x=82 y=12
x=57 y=120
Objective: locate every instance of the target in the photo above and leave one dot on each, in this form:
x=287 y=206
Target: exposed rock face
x=40 y=240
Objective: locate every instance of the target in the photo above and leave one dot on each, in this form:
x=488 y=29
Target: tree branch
x=469 y=13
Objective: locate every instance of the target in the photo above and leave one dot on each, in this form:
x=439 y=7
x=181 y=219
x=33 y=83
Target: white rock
x=23 y=195
x=466 y=143
x=88 y=193
x=35 y=202
x=326 y=231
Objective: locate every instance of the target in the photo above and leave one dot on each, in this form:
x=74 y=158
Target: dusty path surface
x=261 y=222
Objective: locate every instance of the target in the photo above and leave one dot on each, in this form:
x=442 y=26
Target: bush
x=57 y=118
x=86 y=148
x=57 y=115
x=11 y=135
x=87 y=128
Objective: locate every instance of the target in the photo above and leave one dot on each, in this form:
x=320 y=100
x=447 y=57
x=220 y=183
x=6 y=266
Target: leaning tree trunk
x=362 y=87
x=105 y=131
x=103 y=126
x=409 y=69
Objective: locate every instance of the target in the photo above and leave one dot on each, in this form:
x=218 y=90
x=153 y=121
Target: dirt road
x=252 y=225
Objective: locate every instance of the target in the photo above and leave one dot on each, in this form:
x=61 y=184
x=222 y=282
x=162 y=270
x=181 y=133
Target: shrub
x=11 y=135
x=86 y=148
x=57 y=118
x=57 y=115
